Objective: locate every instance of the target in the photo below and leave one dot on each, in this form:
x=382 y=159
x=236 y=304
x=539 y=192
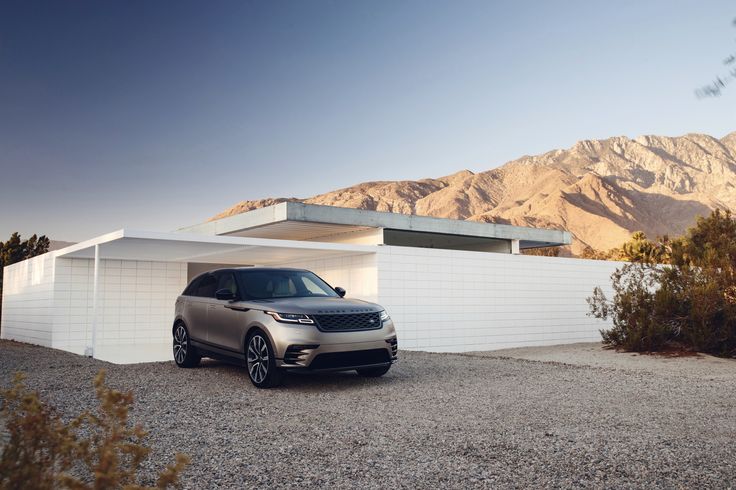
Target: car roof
x=255 y=269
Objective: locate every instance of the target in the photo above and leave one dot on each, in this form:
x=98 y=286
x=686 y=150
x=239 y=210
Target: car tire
x=185 y=354
x=374 y=372
x=261 y=361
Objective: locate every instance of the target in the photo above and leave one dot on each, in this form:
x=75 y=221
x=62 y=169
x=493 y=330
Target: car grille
x=338 y=360
x=348 y=322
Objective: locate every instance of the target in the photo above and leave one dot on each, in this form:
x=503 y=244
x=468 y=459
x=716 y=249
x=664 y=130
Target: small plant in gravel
x=94 y=451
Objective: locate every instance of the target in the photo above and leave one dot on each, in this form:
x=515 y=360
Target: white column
x=515 y=247
x=90 y=350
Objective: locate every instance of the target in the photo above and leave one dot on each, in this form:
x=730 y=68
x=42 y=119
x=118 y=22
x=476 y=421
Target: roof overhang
x=185 y=247
x=301 y=221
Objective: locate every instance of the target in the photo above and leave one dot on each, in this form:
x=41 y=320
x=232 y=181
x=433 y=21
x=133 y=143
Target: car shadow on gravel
x=311 y=381
x=336 y=381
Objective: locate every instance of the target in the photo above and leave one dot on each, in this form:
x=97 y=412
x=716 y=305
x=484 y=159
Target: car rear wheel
x=261 y=362
x=374 y=372
x=185 y=354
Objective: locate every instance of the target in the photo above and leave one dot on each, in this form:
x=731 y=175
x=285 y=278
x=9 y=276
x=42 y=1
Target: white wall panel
x=135 y=304
x=449 y=300
x=356 y=273
x=28 y=300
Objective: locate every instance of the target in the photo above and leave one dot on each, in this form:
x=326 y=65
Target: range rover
x=277 y=319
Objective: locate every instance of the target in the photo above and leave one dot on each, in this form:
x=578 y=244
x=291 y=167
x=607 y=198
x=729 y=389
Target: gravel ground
x=593 y=354
x=444 y=420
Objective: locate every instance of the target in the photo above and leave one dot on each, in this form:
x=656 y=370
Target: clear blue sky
x=159 y=114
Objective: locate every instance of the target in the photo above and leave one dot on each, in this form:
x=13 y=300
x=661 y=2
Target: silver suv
x=276 y=319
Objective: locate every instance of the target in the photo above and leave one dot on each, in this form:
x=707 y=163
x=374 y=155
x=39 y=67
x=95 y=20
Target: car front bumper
x=306 y=347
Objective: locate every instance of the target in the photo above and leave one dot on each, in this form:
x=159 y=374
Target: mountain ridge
x=599 y=190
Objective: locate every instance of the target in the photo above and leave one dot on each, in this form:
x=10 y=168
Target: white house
x=450 y=285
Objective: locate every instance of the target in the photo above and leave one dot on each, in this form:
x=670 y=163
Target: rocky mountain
x=599 y=190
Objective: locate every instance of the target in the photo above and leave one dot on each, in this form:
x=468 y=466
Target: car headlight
x=384 y=315
x=290 y=317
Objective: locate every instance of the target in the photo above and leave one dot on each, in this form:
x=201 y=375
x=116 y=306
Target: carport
x=196 y=248
x=113 y=296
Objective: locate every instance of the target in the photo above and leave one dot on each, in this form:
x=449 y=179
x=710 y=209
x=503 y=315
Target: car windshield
x=273 y=284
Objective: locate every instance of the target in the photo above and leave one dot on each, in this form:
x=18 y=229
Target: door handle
x=237 y=308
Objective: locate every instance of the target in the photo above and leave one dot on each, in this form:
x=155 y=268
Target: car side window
x=192 y=288
x=206 y=287
x=226 y=280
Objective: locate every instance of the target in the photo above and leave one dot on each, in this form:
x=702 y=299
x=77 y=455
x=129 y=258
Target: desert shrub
x=711 y=242
x=93 y=451
x=691 y=302
x=638 y=249
x=542 y=251
x=594 y=254
x=711 y=318
x=641 y=309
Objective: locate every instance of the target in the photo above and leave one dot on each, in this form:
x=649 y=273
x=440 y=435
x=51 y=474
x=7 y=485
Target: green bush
x=640 y=310
x=93 y=451
x=690 y=303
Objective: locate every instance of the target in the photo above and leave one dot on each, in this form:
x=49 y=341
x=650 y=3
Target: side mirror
x=340 y=292
x=224 y=294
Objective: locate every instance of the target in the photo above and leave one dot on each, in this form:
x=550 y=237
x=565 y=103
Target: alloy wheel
x=180 y=344
x=257 y=358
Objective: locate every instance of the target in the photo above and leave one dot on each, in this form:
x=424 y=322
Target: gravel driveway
x=435 y=420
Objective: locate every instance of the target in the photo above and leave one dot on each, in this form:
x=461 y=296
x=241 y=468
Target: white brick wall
x=28 y=300
x=135 y=302
x=449 y=300
x=356 y=273
x=48 y=301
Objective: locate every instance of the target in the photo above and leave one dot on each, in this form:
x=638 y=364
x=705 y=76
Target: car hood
x=313 y=305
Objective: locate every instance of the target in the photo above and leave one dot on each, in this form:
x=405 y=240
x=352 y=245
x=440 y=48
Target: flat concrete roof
x=184 y=247
x=300 y=221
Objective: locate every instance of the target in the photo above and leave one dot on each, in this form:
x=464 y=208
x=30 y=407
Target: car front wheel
x=261 y=362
